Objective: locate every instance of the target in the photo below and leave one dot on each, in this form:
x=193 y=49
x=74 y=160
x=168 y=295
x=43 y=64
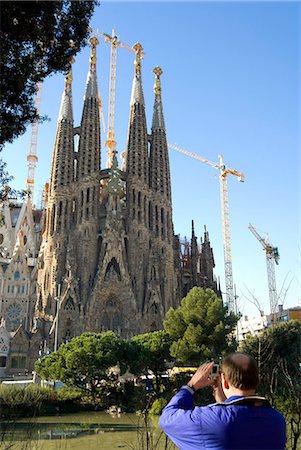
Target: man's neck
x=231 y=392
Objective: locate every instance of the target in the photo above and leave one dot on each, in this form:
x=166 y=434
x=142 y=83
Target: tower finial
x=69 y=77
x=157 y=86
x=139 y=55
x=94 y=42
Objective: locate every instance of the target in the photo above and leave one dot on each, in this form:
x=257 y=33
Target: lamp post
x=58 y=299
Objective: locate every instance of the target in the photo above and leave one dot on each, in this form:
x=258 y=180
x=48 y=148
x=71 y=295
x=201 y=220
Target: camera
x=214 y=371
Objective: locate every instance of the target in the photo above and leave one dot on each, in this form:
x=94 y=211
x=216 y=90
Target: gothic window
x=162 y=216
x=139 y=199
x=17 y=275
x=14 y=316
x=153 y=273
x=154 y=308
x=150 y=215
x=52 y=220
x=113 y=270
x=69 y=305
x=4 y=347
x=25 y=239
x=68 y=335
x=1 y=238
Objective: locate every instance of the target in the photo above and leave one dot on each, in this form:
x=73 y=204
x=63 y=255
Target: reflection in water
x=82 y=431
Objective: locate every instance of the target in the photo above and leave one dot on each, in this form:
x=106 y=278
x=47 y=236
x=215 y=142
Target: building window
x=17 y=275
x=18 y=362
x=2 y=361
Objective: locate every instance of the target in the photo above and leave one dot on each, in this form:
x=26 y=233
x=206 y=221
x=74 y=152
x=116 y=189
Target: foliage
x=277 y=350
x=38 y=38
x=157 y=406
x=84 y=361
x=19 y=401
x=201 y=327
x=154 y=352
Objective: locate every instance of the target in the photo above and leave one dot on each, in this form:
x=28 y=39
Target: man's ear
x=225 y=382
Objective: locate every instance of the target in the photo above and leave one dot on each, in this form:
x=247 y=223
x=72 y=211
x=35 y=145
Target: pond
x=84 y=431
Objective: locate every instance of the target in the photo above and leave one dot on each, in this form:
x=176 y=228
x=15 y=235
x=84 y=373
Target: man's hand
x=201 y=378
x=218 y=391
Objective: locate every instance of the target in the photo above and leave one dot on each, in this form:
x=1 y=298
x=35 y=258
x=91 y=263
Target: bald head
x=241 y=371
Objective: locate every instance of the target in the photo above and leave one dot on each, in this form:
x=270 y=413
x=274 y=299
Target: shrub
x=157 y=406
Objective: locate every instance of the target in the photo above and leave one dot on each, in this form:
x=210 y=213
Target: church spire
x=62 y=172
x=158 y=118
x=159 y=160
x=88 y=160
x=137 y=90
x=137 y=145
x=194 y=255
x=207 y=261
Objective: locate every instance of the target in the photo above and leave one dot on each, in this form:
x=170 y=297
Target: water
x=83 y=431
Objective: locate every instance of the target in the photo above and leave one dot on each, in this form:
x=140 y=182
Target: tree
x=201 y=327
x=154 y=353
x=84 y=361
x=277 y=351
x=38 y=38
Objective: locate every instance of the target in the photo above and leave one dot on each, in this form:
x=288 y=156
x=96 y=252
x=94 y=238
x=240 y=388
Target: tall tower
x=53 y=250
x=86 y=194
x=207 y=263
x=194 y=256
x=69 y=251
x=161 y=280
x=137 y=189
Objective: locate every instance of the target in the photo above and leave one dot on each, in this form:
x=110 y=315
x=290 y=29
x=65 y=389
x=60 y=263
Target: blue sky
x=230 y=84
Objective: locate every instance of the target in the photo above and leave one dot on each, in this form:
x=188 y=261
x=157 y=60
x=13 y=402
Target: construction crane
x=137 y=48
x=224 y=171
x=32 y=158
x=272 y=257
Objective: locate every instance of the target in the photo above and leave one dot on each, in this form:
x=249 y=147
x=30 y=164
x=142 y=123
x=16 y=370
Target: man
x=239 y=419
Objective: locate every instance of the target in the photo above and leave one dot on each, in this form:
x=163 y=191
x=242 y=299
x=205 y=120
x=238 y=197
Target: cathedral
x=102 y=255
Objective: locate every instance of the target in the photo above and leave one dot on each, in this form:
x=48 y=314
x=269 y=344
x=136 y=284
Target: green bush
x=19 y=401
x=157 y=406
x=67 y=394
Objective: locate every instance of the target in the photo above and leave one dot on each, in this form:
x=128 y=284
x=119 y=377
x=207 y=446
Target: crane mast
x=272 y=257
x=111 y=142
x=32 y=158
x=224 y=199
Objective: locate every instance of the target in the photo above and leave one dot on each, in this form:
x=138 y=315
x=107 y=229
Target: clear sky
x=230 y=84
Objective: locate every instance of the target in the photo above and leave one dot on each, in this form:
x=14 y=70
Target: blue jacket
x=222 y=426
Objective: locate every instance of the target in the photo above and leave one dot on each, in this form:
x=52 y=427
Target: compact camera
x=214 y=371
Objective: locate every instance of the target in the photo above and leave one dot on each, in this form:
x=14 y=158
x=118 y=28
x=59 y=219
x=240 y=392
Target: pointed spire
x=194 y=255
x=91 y=85
x=159 y=158
x=137 y=91
x=88 y=160
x=62 y=171
x=158 y=118
x=137 y=143
x=66 y=110
x=19 y=246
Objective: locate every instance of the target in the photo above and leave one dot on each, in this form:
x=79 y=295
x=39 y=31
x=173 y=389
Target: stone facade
x=108 y=257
